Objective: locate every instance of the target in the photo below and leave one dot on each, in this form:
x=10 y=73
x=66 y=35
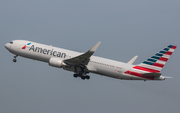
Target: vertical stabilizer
x=152 y=66
x=155 y=63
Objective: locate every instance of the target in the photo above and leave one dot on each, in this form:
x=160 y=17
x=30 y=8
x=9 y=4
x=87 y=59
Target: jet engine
x=56 y=62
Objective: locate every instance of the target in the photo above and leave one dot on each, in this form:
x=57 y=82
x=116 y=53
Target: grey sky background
x=125 y=27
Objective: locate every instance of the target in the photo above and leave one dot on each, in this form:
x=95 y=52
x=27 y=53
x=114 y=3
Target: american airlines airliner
x=83 y=63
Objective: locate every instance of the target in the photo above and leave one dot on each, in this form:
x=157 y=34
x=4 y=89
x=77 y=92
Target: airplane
x=83 y=63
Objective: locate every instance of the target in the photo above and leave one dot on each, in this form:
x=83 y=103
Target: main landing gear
x=83 y=77
x=14 y=60
x=81 y=72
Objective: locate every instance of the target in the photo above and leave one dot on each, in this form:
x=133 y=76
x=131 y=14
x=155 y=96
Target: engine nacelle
x=56 y=62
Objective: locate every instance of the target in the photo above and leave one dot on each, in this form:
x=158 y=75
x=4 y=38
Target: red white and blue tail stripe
x=153 y=64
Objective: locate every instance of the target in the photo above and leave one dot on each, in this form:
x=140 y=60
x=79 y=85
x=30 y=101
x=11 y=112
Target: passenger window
x=11 y=42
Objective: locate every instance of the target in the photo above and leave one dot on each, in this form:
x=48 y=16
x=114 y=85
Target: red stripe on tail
x=146 y=69
x=174 y=47
x=163 y=59
x=168 y=53
x=158 y=65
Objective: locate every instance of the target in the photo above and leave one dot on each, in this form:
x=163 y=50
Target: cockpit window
x=11 y=42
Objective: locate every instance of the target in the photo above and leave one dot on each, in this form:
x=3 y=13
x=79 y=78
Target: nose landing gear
x=14 y=60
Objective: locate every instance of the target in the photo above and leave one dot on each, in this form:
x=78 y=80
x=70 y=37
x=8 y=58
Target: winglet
x=93 y=49
x=82 y=59
x=132 y=60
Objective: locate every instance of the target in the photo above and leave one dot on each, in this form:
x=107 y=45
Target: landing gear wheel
x=87 y=77
x=75 y=75
x=14 y=60
x=83 y=77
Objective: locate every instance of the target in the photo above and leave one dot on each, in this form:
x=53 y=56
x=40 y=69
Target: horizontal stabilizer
x=167 y=77
x=152 y=74
x=132 y=60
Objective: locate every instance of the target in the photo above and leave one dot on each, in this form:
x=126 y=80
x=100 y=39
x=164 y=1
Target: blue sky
x=125 y=28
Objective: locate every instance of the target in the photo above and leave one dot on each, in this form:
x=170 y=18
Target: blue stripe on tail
x=149 y=63
x=170 y=46
x=155 y=57
x=166 y=49
x=157 y=54
x=163 y=52
x=152 y=60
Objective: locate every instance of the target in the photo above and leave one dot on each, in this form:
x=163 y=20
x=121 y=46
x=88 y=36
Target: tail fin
x=155 y=63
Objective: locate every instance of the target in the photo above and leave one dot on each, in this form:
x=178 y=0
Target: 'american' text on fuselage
x=48 y=52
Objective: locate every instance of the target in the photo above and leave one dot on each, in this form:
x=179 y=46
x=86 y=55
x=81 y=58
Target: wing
x=83 y=59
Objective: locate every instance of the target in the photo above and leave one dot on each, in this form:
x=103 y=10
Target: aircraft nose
x=7 y=46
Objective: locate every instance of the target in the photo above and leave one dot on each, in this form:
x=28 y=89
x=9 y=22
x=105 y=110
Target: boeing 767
x=83 y=63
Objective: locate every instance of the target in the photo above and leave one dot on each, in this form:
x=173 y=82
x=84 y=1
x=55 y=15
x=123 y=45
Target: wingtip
x=99 y=43
x=95 y=47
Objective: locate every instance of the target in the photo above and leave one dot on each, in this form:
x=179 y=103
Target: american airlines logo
x=24 y=47
x=47 y=52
